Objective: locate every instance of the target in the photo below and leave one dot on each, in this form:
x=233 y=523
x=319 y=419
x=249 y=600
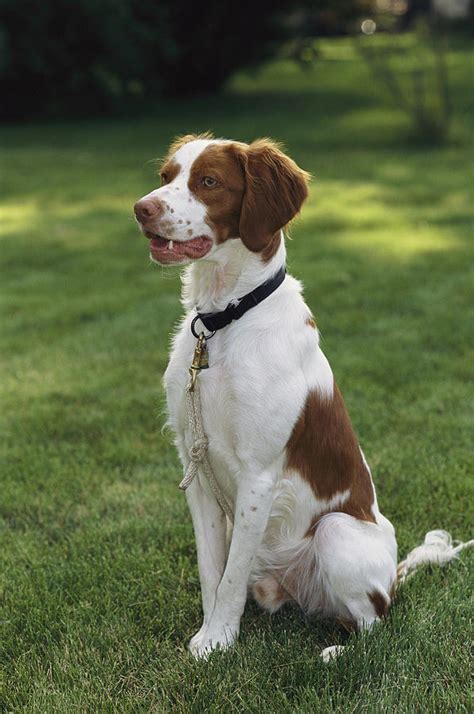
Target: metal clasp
x=193 y=329
x=200 y=360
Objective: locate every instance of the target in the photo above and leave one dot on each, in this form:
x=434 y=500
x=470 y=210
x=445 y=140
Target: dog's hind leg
x=351 y=567
x=437 y=549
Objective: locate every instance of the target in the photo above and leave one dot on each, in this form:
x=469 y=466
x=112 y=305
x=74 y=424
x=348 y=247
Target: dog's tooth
x=170 y=245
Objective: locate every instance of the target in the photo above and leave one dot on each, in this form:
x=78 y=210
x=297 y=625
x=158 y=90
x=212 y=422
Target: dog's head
x=214 y=190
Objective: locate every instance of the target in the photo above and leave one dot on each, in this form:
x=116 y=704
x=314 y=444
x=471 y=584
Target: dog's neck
x=230 y=273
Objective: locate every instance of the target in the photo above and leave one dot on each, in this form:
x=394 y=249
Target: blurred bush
x=413 y=66
x=95 y=56
x=413 y=69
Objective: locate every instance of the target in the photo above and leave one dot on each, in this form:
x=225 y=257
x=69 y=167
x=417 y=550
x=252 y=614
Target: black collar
x=213 y=321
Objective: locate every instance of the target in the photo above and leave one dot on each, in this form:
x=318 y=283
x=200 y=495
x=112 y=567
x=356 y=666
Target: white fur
x=261 y=369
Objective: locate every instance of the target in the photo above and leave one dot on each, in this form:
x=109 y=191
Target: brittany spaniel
x=306 y=528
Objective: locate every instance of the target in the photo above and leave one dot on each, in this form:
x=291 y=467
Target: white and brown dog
x=307 y=527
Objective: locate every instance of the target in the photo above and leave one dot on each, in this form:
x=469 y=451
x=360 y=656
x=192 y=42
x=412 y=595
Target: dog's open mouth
x=170 y=251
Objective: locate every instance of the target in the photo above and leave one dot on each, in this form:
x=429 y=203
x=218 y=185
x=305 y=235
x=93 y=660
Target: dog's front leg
x=209 y=523
x=252 y=508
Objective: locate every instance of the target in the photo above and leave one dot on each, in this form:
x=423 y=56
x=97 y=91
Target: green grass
x=99 y=584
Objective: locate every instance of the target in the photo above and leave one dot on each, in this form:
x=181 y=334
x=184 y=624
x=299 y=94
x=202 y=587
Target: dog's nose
x=146 y=208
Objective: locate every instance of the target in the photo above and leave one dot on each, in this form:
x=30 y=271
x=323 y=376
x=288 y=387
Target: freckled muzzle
x=163 y=250
x=173 y=217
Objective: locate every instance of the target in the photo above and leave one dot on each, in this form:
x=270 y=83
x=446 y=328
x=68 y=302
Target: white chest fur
x=260 y=370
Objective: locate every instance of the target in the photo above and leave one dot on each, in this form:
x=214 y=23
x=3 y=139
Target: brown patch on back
x=310 y=321
x=381 y=606
x=324 y=450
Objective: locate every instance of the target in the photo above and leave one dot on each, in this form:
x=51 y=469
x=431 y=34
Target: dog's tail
x=437 y=549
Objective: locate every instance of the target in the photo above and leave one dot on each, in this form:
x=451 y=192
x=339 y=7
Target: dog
x=287 y=509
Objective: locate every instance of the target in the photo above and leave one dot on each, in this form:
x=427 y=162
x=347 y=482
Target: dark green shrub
x=83 y=56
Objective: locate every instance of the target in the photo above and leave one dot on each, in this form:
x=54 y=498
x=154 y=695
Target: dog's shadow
x=259 y=628
x=290 y=620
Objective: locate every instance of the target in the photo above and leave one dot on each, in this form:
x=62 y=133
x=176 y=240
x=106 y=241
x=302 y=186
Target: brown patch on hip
x=323 y=449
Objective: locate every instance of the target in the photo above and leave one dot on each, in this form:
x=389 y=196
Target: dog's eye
x=209 y=182
x=164 y=179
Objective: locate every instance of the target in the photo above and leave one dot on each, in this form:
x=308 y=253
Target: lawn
x=99 y=584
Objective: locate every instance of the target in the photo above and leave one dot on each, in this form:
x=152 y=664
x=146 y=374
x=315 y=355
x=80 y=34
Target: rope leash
x=198 y=451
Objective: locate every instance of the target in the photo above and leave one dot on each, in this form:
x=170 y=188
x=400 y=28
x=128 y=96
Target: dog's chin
x=173 y=252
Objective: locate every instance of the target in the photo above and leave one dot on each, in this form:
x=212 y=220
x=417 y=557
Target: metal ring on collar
x=196 y=335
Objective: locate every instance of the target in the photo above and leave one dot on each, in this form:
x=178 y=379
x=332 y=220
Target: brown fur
x=260 y=190
x=169 y=171
x=275 y=189
x=224 y=201
x=310 y=321
x=271 y=248
x=381 y=606
x=324 y=450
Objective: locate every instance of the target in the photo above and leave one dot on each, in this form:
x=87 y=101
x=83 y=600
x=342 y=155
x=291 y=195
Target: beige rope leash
x=198 y=451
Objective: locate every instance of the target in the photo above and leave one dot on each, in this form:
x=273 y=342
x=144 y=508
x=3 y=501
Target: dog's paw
x=196 y=640
x=330 y=653
x=211 y=638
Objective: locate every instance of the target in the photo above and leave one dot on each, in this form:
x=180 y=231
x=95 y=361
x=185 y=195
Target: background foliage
x=82 y=56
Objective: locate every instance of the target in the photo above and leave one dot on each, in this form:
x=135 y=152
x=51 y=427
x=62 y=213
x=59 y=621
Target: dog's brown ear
x=275 y=188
